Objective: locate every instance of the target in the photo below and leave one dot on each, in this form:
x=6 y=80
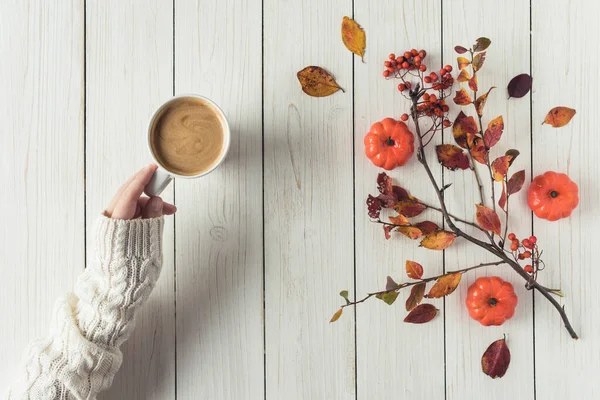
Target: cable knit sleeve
x=81 y=355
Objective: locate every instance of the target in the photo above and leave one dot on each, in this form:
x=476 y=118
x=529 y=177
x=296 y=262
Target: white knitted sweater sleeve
x=81 y=355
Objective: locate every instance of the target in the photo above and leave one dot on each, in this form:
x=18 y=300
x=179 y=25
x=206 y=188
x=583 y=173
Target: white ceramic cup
x=162 y=177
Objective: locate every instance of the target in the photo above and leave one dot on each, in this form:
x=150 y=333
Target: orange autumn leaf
x=480 y=103
x=462 y=98
x=559 y=116
x=421 y=314
x=399 y=220
x=414 y=270
x=500 y=167
x=493 y=133
x=502 y=199
x=452 y=157
x=336 y=316
x=409 y=208
x=478 y=151
x=438 y=240
x=473 y=83
x=445 y=285
x=463 y=76
x=416 y=296
x=462 y=62
x=487 y=219
x=317 y=82
x=411 y=232
x=463 y=126
x=354 y=37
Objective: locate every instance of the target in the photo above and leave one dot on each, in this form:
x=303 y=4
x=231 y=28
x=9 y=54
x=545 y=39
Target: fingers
x=153 y=208
x=169 y=209
x=117 y=196
x=127 y=203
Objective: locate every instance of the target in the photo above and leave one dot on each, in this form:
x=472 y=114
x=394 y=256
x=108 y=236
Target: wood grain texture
x=466 y=339
x=565 y=51
x=41 y=160
x=219 y=223
x=391 y=352
x=129 y=74
x=308 y=204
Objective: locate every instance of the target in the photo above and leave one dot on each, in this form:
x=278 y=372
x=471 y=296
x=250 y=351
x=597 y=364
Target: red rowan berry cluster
x=526 y=249
x=442 y=81
x=409 y=61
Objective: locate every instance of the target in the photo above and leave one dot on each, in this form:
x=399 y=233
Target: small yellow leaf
x=336 y=316
x=317 y=82
x=559 y=116
x=354 y=37
x=445 y=285
x=463 y=76
x=438 y=240
x=462 y=62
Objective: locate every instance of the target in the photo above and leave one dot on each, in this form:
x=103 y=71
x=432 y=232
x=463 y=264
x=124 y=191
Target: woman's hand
x=128 y=203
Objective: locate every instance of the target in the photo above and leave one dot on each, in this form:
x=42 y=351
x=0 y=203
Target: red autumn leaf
x=427 y=227
x=496 y=359
x=390 y=284
x=481 y=44
x=502 y=199
x=478 y=151
x=462 y=126
x=515 y=183
x=460 y=49
x=399 y=220
x=409 y=208
x=463 y=76
x=389 y=195
x=336 y=316
x=410 y=232
x=438 y=240
x=473 y=83
x=416 y=296
x=478 y=61
x=559 y=116
x=386 y=231
x=480 y=103
x=487 y=219
x=493 y=133
x=414 y=270
x=452 y=157
x=445 y=285
x=500 y=167
x=462 y=62
x=519 y=86
x=462 y=98
x=421 y=314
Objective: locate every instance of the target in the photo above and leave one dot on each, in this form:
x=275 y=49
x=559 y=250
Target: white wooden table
x=259 y=249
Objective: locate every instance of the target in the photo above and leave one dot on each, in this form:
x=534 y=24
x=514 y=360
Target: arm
x=81 y=355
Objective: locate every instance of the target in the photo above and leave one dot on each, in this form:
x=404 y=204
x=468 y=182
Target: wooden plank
x=219 y=224
x=392 y=353
x=129 y=74
x=565 y=51
x=308 y=204
x=466 y=339
x=41 y=159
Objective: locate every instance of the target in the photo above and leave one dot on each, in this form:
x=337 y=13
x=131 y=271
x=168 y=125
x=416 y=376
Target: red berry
x=417 y=59
x=407 y=55
x=404 y=117
x=386 y=73
x=391 y=69
x=422 y=68
x=511 y=236
x=387 y=64
x=527 y=243
x=408 y=85
x=432 y=97
x=533 y=239
x=447 y=122
x=448 y=68
x=529 y=269
x=422 y=54
x=401 y=87
x=427 y=79
x=392 y=56
x=426 y=96
x=445 y=108
x=405 y=64
x=514 y=246
x=400 y=60
x=521 y=256
x=527 y=254
x=414 y=52
x=442 y=71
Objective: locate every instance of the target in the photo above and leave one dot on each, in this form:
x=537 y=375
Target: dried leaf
x=502 y=199
x=515 y=183
x=336 y=316
x=409 y=208
x=559 y=116
x=478 y=61
x=317 y=82
x=462 y=62
x=399 y=220
x=493 y=133
x=500 y=167
x=519 y=86
x=389 y=298
x=387 y=229
x=410 y=232
x=488 y=219
x=390 y=284
x=344 y=294
x=460 y=49
x=416 y=296
x=481 y=44
x=421 y=314
x=513 y=153
x=473 y=83
x=462 y=126
x=478 y=151
x=481 y=100
x=438 y=240
x=445 y=285
x=427 y=227
x=462 y=98
x=354 y=37
x=414 y=270
x=496 y=359
x=463 y=76
x=452 y=157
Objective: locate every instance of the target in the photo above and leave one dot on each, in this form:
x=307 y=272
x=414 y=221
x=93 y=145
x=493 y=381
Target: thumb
x=153 y=208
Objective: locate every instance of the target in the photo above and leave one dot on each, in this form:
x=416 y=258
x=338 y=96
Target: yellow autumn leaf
x=445 y=285
x=317 y=82
x=354 y=37
x=559 y=116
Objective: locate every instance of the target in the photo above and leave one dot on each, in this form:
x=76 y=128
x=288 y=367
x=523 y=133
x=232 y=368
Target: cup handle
x=159 y=181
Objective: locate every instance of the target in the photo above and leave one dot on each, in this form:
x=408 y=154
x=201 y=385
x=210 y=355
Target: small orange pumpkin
x=389 y=143
x=491 y=301
x=552 y=196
